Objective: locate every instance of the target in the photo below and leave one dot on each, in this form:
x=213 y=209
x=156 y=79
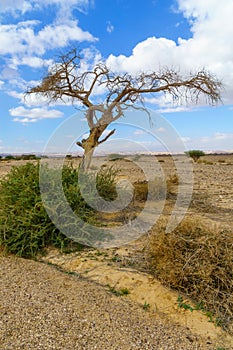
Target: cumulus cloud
x=210 y=46
x=30 y=61
x=23 y=39
x=27 y=42
x=25 y=115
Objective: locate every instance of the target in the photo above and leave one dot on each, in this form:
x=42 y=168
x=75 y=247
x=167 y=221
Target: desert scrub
x=25 y=227
x=106 y=183
x=197 y=261
x=149 y=190
x=195 y=154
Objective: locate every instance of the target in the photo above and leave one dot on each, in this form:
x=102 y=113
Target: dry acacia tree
x=120 y=90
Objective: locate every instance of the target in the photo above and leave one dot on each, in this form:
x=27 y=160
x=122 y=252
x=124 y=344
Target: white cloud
x=161 y=129
x=185 y=139
x=211 y=45
x=30 y=61
x=215 y=142
x=13 y=6
x=139 y=132
x=24 y=40
x=8 y=73
x=147 y=55
x=223 y=136
x=174 y=109
x=32 y=100
x=166 y=104
x=110 y=27
x=24 y=115
x=55 y=36
x=15 y=94
x=22 y=6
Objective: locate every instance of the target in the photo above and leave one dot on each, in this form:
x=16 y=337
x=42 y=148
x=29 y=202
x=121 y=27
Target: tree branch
x=105 y=139
x=118 y=91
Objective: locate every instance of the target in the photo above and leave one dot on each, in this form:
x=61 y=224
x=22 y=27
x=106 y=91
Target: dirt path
x=43 y=308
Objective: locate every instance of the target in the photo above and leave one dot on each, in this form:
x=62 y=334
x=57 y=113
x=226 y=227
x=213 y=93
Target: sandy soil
x=43 y=308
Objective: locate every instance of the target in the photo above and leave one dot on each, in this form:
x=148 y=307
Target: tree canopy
x=66 y=79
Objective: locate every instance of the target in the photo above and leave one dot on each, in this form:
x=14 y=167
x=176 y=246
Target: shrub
x=9 y=157
x=25 y=227
x=115 y=156
x=195 y=154
x=156 y=186
x=197 y=261
x=106 y=183
x=69 y=156
x=28 y=157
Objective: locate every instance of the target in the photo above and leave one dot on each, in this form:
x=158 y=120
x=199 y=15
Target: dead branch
x=105 y=139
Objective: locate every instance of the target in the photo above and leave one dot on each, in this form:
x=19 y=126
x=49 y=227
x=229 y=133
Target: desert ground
x=95 y=276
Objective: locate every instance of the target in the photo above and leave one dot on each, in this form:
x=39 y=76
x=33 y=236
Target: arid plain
x=126 y=267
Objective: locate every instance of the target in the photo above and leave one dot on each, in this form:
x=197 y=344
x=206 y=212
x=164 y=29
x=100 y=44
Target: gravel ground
x=44 y=308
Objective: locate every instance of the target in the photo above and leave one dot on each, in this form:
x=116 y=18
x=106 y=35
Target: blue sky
x=127 y=35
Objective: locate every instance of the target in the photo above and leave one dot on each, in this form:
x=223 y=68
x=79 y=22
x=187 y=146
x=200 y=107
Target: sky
x=129 y=36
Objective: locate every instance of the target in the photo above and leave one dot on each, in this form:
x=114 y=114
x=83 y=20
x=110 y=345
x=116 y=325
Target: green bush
x=106 y=183
x=29 y=157
x=25 y=227
x=195 y=154
x=9 y=157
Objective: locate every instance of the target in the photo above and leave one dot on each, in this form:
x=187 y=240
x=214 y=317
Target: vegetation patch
x=118 y=292
x=25 y=227
x=198 y=261
x=195 y=154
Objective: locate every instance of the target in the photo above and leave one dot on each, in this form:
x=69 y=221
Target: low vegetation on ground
x=25 y=227
x=19 y=157
x=196 y=260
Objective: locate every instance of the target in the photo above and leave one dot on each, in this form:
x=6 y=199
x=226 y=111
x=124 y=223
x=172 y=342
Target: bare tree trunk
x=90 y=144
x=87 y=158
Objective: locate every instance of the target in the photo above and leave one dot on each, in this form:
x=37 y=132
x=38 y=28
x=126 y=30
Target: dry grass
x=154 y=189
x=196 y=260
